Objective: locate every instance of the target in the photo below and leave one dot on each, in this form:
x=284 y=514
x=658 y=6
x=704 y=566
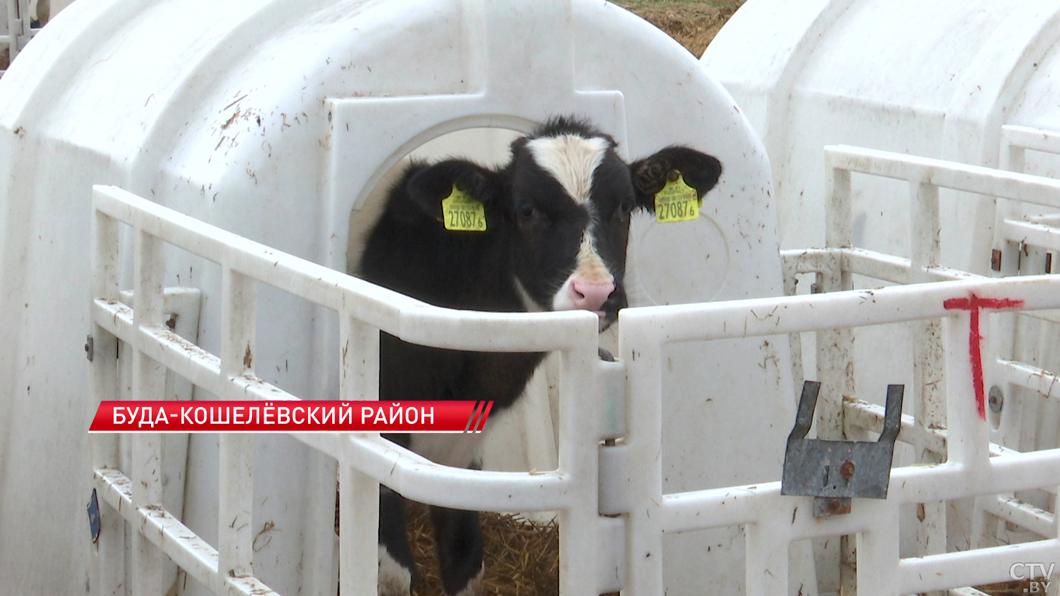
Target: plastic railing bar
x=684 y=512
x=1025 y=137
x=981 y=566
x=866 y=262
x=1035 y=234
x=1046 y=383
x=390 y=311
x=1024 y=515
x=422 y=480
x=861 y=414
x=383 y=460
x=945 y=174
x=187 y=550
x=852 y=308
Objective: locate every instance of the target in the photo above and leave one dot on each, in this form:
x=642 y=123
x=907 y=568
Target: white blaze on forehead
x=591 y=267
x=571 y=160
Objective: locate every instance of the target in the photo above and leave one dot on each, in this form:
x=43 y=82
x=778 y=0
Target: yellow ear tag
x=677 y=201
x=462 y=213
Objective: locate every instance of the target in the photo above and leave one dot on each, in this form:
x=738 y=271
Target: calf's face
x=563 y=206
x=570 y=199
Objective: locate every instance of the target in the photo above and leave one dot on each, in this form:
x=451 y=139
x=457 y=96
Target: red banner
x=291 y=416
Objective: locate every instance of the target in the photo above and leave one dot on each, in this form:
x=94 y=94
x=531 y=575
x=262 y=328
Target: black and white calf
x=557 y=223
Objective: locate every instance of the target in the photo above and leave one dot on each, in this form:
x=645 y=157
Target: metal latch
x=835 y=471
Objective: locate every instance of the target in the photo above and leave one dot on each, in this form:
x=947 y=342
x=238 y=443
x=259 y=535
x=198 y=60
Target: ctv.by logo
x=1029 y=571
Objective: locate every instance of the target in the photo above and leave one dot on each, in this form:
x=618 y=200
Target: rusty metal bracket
x=836 y=471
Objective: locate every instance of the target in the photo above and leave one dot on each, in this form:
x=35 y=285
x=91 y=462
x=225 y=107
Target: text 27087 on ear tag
x=677 y=201
x=462 y=213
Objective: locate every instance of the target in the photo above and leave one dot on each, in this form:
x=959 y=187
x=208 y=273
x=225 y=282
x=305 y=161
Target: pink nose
x=590 y=296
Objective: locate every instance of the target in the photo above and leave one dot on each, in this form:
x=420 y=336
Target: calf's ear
x=650 y=175
x=432 y=184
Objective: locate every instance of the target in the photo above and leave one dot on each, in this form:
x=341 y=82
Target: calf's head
x=561 y=209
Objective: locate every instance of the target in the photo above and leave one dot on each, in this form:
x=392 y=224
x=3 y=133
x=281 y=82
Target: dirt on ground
x=693 y=24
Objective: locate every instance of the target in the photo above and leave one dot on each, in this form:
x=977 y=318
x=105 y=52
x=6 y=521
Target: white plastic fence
x=593 y=482
x=773 y=521
x=18 y=31
x=364 y=460
x=835 y=267
x=1013 y=225
x=1029 y=241
x=1026 y=241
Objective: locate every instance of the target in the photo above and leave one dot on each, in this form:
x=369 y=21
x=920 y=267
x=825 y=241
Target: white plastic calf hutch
x=968 y=81
x=941 y=79
x=937 y=79
x=275 y=120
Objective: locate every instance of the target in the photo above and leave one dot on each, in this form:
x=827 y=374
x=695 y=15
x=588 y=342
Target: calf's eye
x=525 y=210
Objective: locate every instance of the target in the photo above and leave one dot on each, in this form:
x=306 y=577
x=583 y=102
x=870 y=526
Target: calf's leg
x=458 y=536
x=396 y=566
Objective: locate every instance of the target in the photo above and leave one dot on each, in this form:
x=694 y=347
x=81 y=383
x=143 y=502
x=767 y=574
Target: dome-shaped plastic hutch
x=278 y=121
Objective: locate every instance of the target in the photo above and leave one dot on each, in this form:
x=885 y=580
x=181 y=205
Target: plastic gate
x=613 y=510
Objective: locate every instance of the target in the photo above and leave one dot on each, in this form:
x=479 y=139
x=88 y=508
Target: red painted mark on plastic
x=973 y=304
